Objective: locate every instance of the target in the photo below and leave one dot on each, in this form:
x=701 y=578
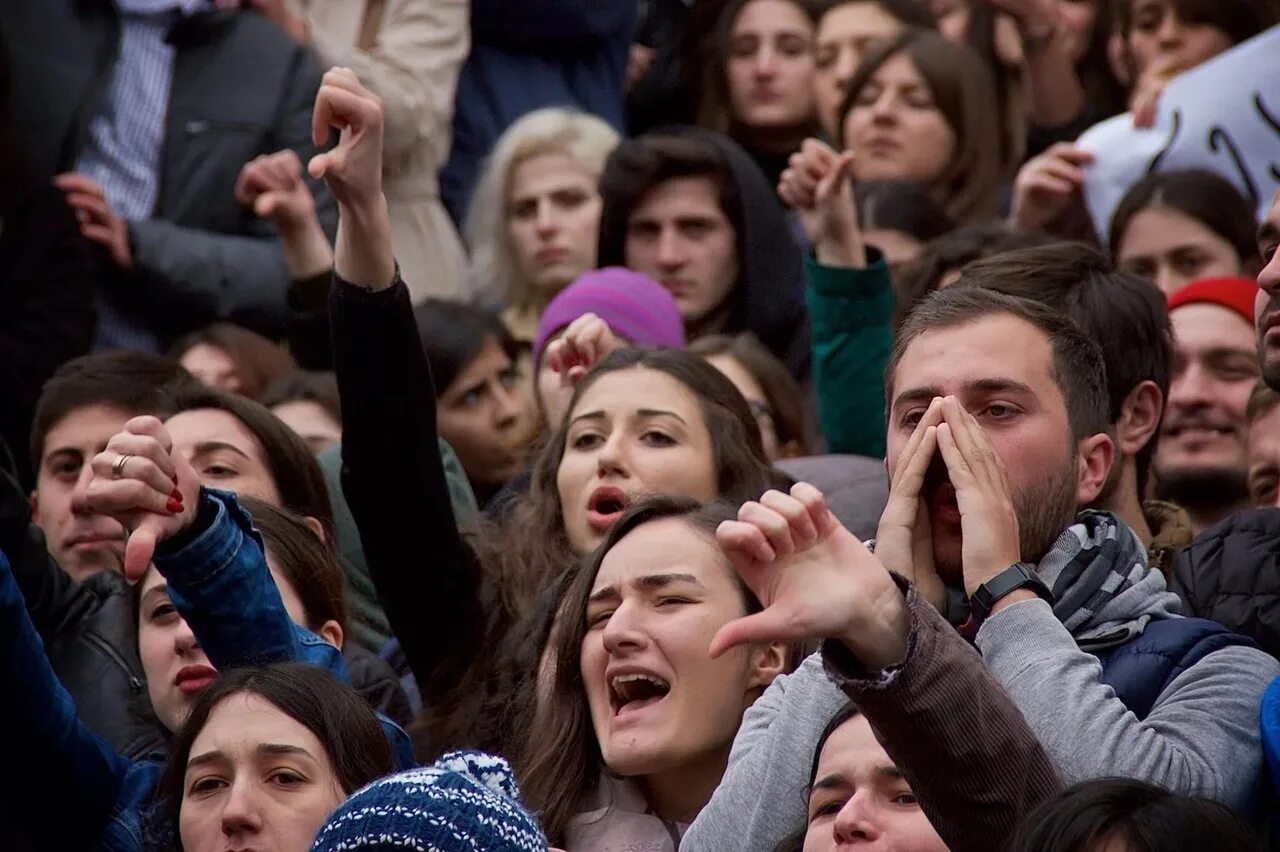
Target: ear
x=1094 y=458
x=35 y=503
x=767 y=662
x=331 y=632
x=1140 y=415
x=316 y=527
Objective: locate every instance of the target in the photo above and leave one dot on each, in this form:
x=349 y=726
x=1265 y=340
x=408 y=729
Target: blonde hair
x=587 y=139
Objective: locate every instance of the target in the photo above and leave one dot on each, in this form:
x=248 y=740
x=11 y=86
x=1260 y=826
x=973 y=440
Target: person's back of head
x=233 y=358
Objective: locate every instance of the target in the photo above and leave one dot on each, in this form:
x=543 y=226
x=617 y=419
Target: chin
x=634 y=756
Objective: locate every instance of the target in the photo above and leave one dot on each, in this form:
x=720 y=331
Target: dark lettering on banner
x=1272 y=122
x=1173 y=137
x=1220 y=135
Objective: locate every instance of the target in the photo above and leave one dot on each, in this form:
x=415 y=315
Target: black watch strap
x=1020 y=575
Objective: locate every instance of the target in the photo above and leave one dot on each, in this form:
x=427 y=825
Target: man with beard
x=1201 y=462
x=1079 y=630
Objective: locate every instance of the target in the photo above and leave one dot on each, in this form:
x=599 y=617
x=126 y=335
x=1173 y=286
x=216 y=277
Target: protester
x=1263 y=416
x=534 y=220
x=232 y=358
x=1267 y=306
x=307 y=402
x=689 y=209
x=846 y=30
x=1201 y=462
x=762 y=79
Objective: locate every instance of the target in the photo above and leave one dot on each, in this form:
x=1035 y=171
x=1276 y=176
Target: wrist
x=848 y=253
x=878 y=636
x=1016 y=596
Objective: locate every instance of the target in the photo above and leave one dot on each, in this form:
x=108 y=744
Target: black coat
x=1231 y=574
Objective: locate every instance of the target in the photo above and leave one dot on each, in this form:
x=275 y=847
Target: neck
x=771 y=140
x=715 y=321
x=1203 y=517
x=1126 y=504
x=680 y=793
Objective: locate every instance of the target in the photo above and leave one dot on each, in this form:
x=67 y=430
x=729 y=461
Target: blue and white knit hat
x=467 y=802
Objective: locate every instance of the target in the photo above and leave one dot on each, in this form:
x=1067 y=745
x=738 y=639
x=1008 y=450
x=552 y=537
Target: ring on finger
x=117 y=467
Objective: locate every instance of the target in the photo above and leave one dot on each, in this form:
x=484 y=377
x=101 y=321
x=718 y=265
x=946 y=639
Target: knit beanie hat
x=1234 y=294
x=635 y=307
x=467 y=801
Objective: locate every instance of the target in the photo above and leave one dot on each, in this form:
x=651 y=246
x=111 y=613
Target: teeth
x=632 y=678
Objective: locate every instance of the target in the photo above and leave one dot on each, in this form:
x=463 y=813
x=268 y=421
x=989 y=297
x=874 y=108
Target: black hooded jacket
x=768 y=298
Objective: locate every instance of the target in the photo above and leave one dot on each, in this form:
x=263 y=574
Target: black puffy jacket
x=1231 y=574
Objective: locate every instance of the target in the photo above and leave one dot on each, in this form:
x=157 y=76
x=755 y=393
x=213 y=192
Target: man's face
x=82 y=542
x=1264 y=459
x=1000 y=369
x=679 y=237
x=1267 y=306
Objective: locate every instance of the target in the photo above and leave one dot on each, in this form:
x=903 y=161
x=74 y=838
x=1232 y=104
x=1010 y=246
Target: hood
x=768 y=298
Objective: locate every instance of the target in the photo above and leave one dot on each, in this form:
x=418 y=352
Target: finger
x=759 y=629
x=1049 y=186
x=553 y=355
x=819 y=157
x=138 y=551
x=75 y=182
x=135 y=466
x=100 y=234
x=803 y=531
x=576 y=374
x=250 y=184
x=932 y=417
x=267 y=204
x=775 y=527
x=738 y=540
x=957 y=466
x=834 y=182
x=147 y=424
x=912 y=479
x=91 y=204
x=1071 y=153
x=124 y=497
x=330 y=162
x=815 y=503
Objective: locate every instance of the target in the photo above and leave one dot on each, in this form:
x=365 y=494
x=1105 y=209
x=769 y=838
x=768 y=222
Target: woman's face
x=844 y=33
x=256 y=779
x=953 y=19
x=753 y=392
x=553 y=221
x=223 y=452
x=896 y=128
x=484 y=416
x=770 y=65
x=860 y=797
x=176 y=669
x=1077 y=19
x=213 y=366
x=311 y=422
x=1157 y=32
x=658 y=702
x=1172 y=249
x=634 y=432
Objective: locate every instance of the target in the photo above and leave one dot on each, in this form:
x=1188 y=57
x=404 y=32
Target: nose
x=1170 y=34
x=1168 y=280
x=508 y=406
x=1191 y=389
x=856 y=820
x=622 y=632
x=882 y=109
x=547 y=220
x=184 y=640
x=611 y=459
x=846 y=63
x=80 y=489
x=239 y=812
x=671 y=250
x=766 y=62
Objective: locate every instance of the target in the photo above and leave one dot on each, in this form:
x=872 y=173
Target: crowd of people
x=631 y=426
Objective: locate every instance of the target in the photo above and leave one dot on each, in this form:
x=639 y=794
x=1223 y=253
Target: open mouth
x=605 y=507
x=1200 y=431
x=629 y=693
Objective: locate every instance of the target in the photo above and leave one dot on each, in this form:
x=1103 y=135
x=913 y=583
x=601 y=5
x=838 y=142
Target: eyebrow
x=641 y=413
x=837 y=779
x=154 y=591
x=1267 y=231
x=204 y=448
x=649 y=582
x=264 y=748
x=998 y=384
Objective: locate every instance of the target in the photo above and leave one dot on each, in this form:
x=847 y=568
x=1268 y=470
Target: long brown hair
x=560 y=761
x=961 y=85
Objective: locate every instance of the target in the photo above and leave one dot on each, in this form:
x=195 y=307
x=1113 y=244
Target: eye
x=206 y=784
x=1264 y=491
x=999 y=411
x=1268 y=251
x=569 y=199
x=163 y=612
x=1141 y=266
x=586 y=441
x=906 y=798
x=828 y=808
x=219 y=471
x=1190 y=264
x=598 y=619
x=911 y=418
x=672 y=600
x=655 y=438
x=286 y=778
x=472 y=397
x=525 y=209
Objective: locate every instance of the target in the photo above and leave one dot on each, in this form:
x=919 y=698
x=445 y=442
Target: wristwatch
x=1020 y=575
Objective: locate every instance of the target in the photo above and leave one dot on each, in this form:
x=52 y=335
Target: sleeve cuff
x=847 y=672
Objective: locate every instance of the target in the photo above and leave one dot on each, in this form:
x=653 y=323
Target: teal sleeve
x=851 y=311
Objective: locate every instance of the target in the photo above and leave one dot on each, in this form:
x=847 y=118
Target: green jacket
x=851 y=312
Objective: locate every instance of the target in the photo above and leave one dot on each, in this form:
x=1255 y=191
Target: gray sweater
x=1200 y=738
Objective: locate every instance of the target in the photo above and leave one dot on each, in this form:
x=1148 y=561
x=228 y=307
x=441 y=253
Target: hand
x=815 y=579
x=638 y=62
x=98 y=221
x=1048 y=185
x=587 y=341
x=280 y=12
x=1028 y=13
x=1151 y=85
x=272 y=185
x=988 y=521
x=352 y=169
x=904 y=540
x=155 y=496
x=816 y=185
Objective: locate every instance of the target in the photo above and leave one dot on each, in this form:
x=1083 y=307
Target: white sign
x=1223 y=116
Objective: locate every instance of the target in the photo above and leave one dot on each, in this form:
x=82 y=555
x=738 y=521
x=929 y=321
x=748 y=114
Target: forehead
x=548 y=172
x=898 y=68
x=850 y=20
x=680 y=197
x=243 y=721
x=736 y=372
x=951 y=358
x=852 y=750
x=666 y=546
x=151 y=580
x=622 y=392
x=1201 y=327
x=1156 y=228
x=89 y=426
x=204 y=425
x=772 y=14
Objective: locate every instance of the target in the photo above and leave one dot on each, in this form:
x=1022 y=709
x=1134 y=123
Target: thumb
x=138 y=551
x=834 y=182
x=321 y=164
x=763 y=627
x=266 y=204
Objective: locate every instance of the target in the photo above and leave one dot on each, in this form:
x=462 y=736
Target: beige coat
x=418 y=48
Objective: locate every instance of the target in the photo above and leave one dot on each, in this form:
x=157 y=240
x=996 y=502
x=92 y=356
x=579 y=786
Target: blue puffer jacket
x=66 y=783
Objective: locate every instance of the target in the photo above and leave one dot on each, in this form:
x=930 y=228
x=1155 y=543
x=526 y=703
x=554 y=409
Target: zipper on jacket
x=135 y=684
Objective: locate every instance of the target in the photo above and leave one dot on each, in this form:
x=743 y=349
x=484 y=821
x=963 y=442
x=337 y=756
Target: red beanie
x=1234 y=294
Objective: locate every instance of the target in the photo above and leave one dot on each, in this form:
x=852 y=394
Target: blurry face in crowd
x=1264 y=459
x=484 y=417
x=257 y=778
x=953 y=19
x=658 y=702
x=1173 y=250
x=896 y=128
x=553 y=221
x=632 y=433
x=770 y=65
x=1077 y=19
x=860 y=799
x=1267 y=306
x=83 y=543
x=1000 y=369
x=679 y=237
x=1157 y=32
x=224 y=453
x=1214 y=369
x=213 y=366
x=311 y=422
x=844 y=34
x=753 y=392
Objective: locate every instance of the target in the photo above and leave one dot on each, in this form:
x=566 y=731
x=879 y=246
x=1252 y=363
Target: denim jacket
x=53 y=767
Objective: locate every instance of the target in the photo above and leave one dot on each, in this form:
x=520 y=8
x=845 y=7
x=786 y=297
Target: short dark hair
x=454 y=333
x=1147 y=818
x=1239 y=19
x=1077 y=369
x=900 y=205
x=134 y=382
x=259 y=361
x=305 y=386
x=289 y=460
x=308 y=563
x=1262 y=399
x=911 y=13
x=782 y=394
x=341 y=720
x=1125 y=314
